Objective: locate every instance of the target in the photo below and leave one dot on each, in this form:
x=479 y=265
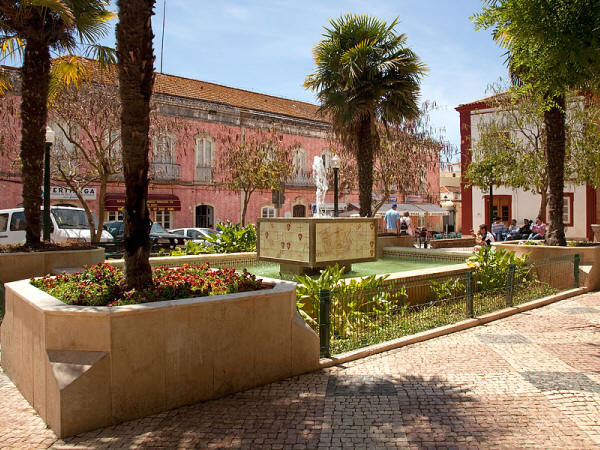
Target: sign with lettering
x=64 y=193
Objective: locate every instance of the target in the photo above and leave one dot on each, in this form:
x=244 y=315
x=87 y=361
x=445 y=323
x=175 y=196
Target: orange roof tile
x=217 y=93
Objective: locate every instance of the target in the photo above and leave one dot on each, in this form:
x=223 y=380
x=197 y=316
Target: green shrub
x=450 y=288
x=354 y=303
x=232 y=239
x=490 y=268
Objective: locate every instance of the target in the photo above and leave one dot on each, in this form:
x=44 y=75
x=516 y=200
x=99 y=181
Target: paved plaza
x=531 y=380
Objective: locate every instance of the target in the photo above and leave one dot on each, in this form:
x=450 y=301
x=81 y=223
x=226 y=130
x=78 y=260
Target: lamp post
x=335 y=165
x=50 y=136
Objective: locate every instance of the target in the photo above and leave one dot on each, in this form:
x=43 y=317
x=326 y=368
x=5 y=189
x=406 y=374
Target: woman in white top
x=406 y=224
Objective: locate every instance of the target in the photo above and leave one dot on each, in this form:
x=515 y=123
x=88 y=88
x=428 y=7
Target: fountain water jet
x=320 y=176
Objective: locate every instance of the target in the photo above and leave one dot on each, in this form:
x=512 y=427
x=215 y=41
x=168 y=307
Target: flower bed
x=84 y=367
x=102 y=285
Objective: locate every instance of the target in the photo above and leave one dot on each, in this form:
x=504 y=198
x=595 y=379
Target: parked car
x=66 y=224
x=158 y=235
x=195 y=234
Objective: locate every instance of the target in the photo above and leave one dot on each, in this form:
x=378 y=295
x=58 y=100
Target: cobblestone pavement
x=531 y=380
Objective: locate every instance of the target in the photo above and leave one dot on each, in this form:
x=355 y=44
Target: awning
x=329 y=206
x=161 y=202
x=415 y=209
x=433 y=210
x=412 y=209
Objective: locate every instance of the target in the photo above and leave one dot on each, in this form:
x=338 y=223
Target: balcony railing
x=203 y=174
x=165 y=171
x=301 y=178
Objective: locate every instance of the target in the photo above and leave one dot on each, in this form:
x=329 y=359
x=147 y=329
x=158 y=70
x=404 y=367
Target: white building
x=579 y=200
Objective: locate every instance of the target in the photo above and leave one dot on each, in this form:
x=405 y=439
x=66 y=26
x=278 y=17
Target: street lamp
x=335 y=165
x=50 y=137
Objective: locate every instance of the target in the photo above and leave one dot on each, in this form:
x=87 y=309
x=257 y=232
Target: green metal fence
x=350 y=320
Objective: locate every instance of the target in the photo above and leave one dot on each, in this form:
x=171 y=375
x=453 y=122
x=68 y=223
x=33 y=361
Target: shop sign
x=64 y=193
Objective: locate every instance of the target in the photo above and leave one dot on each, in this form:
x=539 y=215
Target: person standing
x=392 y=220
x=406 y=225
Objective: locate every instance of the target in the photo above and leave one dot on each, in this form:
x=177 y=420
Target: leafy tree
x=87 y=118
x=257 y=160
x=365 y=75
x=552 y=46
x=407 y=152
x=136 y=80
x=33 y=29
x=512 y=146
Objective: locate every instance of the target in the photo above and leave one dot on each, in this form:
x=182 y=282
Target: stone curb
x=448 y=329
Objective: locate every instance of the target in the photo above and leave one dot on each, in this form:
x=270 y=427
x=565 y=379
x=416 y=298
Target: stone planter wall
x=543 y=254
x=19 y=266
x=468 y=241
x=178 y=261
x=87 y=367
x=393 y=241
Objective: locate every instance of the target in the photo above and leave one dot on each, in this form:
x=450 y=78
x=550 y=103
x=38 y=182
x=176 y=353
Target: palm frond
x=66 y=72
x=11 y=48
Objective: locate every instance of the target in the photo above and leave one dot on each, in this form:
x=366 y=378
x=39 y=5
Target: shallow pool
x=381 y=266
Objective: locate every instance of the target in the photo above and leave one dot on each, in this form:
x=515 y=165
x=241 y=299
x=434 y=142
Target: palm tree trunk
x=543 y=204
x=136 y=79
x=554 y=121
x=367 y=136
x=36 y=79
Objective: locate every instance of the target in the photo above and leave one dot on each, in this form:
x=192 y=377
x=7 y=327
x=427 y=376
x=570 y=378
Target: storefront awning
x=415 y=209
x=433 y=210
x=161 y=202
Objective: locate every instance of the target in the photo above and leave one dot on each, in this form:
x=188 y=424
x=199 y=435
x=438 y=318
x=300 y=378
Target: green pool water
x=381 y=266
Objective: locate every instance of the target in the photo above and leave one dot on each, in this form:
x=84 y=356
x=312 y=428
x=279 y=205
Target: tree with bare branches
x=254 y=160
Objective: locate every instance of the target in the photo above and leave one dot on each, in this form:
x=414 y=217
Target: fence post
x=576 y=270
x=324 y=321
x=469 y=291
x=510 y=281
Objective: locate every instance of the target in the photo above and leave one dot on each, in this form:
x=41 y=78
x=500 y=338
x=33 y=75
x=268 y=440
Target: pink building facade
x=185 y=189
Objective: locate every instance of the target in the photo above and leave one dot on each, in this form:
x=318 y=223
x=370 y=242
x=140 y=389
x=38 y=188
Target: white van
x=67 y=224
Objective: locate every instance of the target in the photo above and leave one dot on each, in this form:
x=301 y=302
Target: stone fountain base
x=304 y=245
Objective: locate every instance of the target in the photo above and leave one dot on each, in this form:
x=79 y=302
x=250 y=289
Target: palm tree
x=34 y=28
x=365 y=75
x=552 y=47
x=136 y=79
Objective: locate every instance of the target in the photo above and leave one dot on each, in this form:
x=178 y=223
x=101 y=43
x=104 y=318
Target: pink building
x=184 y=191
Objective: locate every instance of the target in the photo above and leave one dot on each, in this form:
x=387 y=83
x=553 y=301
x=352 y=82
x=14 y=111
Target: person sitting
x=538 y=230
x=498 y=229
x=525 y=230
x=513 y=231
x=483 y=238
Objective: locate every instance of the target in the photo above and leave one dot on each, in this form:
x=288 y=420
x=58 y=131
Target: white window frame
x=160 y=156
x=299 y=161
x=204 y=159
x=268 y=212
x=326 y=156
x=114 y=215
x=568 y=216
x=164 y=218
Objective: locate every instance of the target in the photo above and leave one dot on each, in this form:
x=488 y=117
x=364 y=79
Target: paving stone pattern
x=531 y=380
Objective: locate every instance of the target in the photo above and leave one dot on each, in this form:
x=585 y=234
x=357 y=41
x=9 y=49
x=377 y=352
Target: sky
x=266 y=46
